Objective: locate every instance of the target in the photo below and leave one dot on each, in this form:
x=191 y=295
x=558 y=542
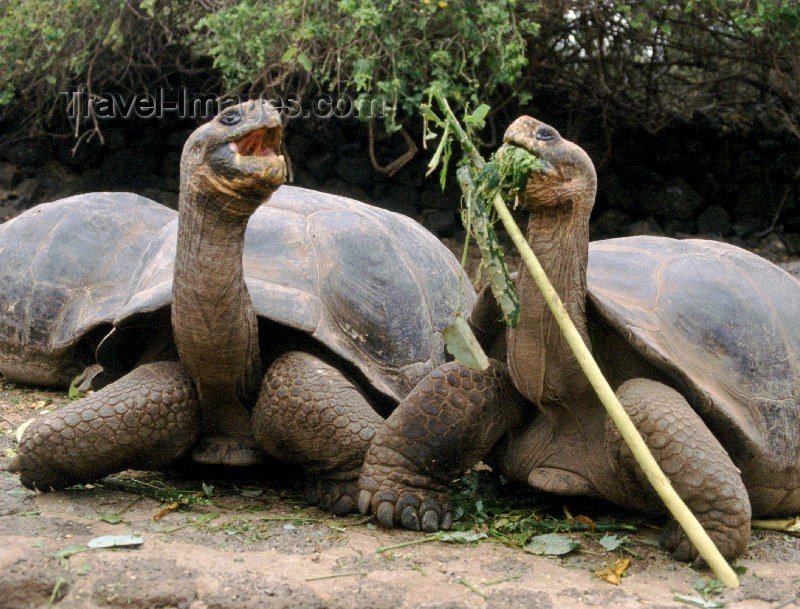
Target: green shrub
x=638 y=63
x=475 y=49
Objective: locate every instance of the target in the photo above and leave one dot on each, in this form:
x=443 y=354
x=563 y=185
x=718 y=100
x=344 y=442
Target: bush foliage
x=641 y=63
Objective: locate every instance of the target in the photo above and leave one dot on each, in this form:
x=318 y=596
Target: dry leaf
x=115 y=541
x=167 y=509
x=613 y=574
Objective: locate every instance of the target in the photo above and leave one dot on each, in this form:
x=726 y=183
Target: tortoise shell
x=722 y=324
x=371 y=285
x=65 y=272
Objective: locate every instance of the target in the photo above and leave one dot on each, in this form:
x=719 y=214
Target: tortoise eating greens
x=699 y=339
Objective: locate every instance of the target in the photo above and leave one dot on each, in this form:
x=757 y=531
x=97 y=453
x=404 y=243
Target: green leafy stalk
x=475 y=217
x=504 y=174
x=583 y=355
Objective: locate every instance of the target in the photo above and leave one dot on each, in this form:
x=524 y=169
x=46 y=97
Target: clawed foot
x=335 y=496
x=731 y=542
x=423 y=506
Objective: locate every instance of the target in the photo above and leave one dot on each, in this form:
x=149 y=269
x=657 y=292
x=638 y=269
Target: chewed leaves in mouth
x=264 y=141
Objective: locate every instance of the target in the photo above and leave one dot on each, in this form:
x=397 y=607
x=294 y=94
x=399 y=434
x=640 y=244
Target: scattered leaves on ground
x=115 y=541
x=167 y=509
x=551 y=544
x=614 y=573
x=697 y=601
x=612 y=542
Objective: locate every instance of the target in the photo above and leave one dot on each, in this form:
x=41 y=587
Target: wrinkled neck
x=541 y=363
x=215 y=325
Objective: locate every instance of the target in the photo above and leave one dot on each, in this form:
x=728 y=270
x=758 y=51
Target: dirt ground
x=212 y=540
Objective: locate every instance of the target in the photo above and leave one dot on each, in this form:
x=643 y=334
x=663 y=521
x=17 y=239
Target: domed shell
x=65 y=272
x=371 y=285
x=725 y=325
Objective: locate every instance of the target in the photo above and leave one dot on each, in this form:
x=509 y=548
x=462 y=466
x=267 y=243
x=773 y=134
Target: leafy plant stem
x=583 y=355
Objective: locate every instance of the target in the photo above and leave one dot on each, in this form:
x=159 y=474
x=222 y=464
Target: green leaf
x=551 y=544
x=708 y=586
x=461 y=536
x=462 y=344
x=111 y=518
x=251 y=492
x=444 y=143
x=73 y=393
x=445 y=163
x=696 y=601
x=208 y=489
x=612 y=542
x=477 y=119
x=304 y=61
x=289 y=54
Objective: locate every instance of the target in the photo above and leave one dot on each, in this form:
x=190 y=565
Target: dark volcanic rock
x=340 y=187
x=397 y=197
x=714 y=221
x=87 y=154
x=27 y=151
x=355 y=170
x=648 y=226
x=675 y=200
x=755 y=201
x=792 y=241
x=320 y=166
x=128 y=169
x=10 y=175
x=441 y=222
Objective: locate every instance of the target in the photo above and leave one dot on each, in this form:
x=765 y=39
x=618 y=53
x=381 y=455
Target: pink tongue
x=251 y=144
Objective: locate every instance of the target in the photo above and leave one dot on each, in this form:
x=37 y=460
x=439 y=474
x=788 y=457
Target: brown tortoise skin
x=691 y=457
x=309 y=413
x=446 y=424
x=145 y=420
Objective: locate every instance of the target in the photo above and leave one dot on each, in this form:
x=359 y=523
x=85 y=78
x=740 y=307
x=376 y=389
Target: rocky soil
x=218 y=540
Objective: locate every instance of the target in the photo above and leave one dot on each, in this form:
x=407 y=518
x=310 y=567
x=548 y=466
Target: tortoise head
x=234 y=160
x=568 y=179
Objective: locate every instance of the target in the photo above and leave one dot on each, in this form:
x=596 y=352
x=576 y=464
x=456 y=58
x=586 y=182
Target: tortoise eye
x=545 y=135
x=230 y=118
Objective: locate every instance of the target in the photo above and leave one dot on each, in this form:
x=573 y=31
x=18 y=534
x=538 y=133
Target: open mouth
x=264 y=142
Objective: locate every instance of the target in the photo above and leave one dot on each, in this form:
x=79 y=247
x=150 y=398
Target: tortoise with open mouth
x=264 y=319
x=699 y=339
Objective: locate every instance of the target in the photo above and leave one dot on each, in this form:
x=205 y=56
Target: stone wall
x=693 y=180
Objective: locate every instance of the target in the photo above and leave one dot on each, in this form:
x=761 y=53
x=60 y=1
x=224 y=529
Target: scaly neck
x=215 y=325
x=541 y=363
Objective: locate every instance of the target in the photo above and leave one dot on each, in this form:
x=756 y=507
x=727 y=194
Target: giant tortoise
x=699 y=339
x=291 y=337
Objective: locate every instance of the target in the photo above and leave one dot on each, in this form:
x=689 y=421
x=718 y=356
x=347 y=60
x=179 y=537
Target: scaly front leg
x=691 y=457
x=445 y=425
x=145 y=420
x=311 y=414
